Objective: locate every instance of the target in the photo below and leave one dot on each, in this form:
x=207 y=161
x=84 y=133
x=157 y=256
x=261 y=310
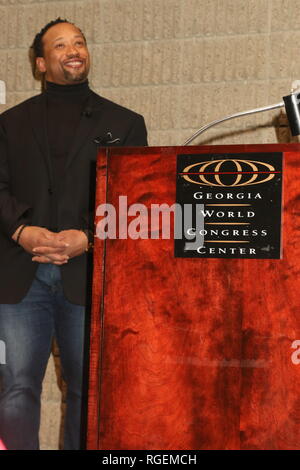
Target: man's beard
x=80 y=77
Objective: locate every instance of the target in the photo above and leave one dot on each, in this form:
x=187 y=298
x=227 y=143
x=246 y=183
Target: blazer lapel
x=37 y=113
x=89 y=123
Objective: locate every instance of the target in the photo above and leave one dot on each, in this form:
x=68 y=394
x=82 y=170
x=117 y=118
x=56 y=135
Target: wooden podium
x=192 y=353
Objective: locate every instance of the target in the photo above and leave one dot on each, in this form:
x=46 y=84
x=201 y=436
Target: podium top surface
x=282 y=147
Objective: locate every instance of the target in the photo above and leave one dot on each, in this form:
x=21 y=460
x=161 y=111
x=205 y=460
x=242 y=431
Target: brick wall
x=181 y=63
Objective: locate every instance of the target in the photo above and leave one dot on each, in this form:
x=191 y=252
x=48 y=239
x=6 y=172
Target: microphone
x=291 y=103
x=87 y=112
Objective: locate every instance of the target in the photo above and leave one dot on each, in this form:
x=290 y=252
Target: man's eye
x=59 y=46
x=79 y=43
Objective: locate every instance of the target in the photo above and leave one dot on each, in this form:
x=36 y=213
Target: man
x=47 y=148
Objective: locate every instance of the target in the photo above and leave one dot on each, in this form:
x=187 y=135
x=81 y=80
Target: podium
x=190 y=353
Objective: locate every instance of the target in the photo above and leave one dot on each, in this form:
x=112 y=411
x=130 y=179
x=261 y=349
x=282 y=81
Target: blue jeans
x=27 y=329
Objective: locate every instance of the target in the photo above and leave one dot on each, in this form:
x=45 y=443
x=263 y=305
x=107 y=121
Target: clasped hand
x=51 y=247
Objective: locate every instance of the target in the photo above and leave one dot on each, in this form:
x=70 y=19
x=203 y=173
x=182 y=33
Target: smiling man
x=48 y=148
x=65 y=56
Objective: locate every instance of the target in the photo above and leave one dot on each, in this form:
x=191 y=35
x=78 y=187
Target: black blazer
x=27 y=189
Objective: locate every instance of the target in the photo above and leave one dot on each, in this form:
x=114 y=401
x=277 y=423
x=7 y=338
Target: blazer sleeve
x=13 y=213
x=137 y=135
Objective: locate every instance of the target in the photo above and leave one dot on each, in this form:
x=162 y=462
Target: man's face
x=66 y=57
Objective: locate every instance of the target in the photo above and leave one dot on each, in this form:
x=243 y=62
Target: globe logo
x=229 y=172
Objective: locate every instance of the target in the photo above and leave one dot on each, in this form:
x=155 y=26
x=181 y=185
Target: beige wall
x=181 y=63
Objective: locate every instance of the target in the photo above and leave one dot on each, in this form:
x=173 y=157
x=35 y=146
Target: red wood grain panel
x=192 y=353
x=270 y=410
x=96 y=319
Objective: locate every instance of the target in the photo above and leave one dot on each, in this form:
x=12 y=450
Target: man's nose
x=72 y=50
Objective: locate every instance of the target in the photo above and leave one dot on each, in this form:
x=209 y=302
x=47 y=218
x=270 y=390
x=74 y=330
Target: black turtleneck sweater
x=65 y=104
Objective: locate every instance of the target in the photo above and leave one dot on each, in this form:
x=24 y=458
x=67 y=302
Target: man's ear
x=40 y=64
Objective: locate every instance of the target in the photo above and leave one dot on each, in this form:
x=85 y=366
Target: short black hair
x=37 y=45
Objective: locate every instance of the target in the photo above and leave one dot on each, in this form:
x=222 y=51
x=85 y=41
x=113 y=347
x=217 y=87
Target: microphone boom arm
x=232 y=116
